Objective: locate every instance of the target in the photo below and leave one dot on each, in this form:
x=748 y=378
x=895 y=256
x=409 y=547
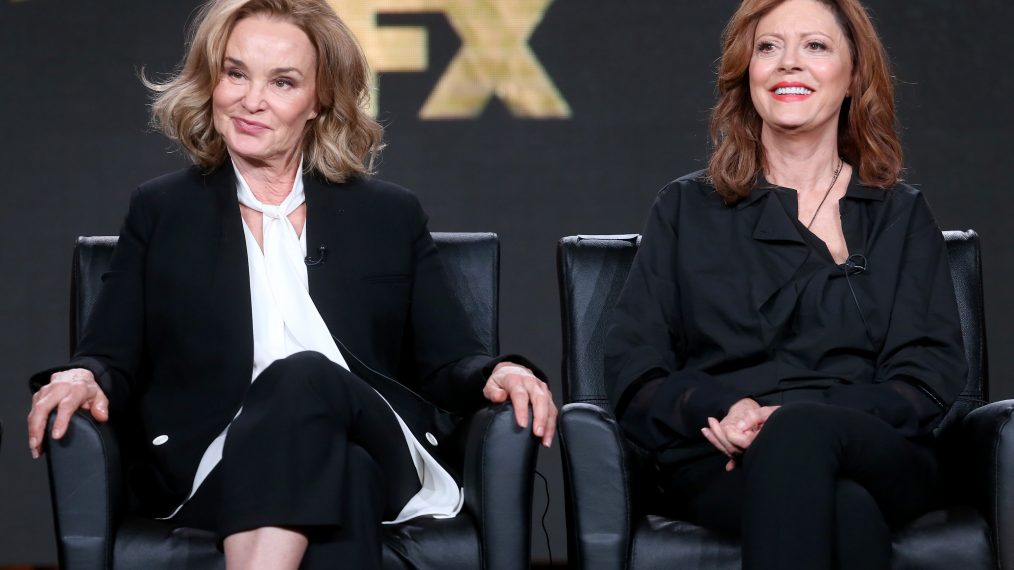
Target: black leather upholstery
x=94 y=529
x=611 y=522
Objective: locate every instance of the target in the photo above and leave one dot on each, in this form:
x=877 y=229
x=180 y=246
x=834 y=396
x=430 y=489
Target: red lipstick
x=791 y=91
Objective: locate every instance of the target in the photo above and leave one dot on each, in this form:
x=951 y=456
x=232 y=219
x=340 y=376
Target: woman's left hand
x=737 y=430
x=522 y=387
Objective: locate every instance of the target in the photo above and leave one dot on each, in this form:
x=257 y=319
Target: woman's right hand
x=67 y=391
x=737 y=430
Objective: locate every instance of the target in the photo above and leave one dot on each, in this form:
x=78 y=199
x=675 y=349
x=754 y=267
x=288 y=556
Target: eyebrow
x=782 y=36
x=275 y=71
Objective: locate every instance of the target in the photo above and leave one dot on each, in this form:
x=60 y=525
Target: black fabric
x=614 y=511
x=286 y=459
x=176 y=298
x=724 y=303
x=96 y=527
x=818 y=488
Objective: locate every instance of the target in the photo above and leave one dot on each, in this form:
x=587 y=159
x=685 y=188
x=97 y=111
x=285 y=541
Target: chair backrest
x=472 y=262
x=593 y=269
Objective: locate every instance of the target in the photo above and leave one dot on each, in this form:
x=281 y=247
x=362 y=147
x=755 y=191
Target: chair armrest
x=499 y=471
x=989 y=432
x=598 y=492
x=85 y=486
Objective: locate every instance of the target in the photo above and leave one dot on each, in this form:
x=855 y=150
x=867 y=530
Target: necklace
x=834 y=179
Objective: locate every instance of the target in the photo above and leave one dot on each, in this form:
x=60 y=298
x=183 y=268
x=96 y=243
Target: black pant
x=819 y=488
x=315 y=449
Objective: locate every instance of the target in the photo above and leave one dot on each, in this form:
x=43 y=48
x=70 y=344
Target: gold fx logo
x=494 y=59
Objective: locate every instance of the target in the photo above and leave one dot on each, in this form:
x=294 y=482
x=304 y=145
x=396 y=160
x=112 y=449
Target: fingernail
x=35 y=453
x=57 y=433
x=539 y=430
x=33 y=443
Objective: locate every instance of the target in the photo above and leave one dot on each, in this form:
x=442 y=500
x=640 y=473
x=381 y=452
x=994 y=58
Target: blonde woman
x=260 y=303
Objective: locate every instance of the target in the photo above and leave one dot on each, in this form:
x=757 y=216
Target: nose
x=253 y=98
x=789 y=61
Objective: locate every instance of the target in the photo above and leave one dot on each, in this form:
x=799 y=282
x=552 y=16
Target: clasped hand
x=737 y=430
x=517 y=382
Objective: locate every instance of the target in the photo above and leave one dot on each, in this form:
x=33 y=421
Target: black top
x=729 y=302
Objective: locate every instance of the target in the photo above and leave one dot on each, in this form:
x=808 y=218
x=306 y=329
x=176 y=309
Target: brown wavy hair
x=867 y=131
x=342 y=141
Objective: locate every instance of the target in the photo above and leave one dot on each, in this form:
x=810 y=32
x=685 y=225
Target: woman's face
x=801 y=68
x=267 y=90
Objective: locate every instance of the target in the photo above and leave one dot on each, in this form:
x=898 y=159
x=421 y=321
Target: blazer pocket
x=387 y=278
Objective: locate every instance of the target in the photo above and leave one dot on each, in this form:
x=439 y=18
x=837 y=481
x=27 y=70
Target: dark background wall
x=637 y=78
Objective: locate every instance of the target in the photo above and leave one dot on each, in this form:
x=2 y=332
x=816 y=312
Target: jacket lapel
x=231 y=275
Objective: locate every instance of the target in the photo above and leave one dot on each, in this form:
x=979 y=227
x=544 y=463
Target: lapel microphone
x=855 y=264
x=321 y=256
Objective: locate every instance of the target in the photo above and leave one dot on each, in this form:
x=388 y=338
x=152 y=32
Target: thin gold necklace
x=834 y=179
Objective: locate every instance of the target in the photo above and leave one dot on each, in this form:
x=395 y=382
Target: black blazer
x=728 y=302
x=171 y=339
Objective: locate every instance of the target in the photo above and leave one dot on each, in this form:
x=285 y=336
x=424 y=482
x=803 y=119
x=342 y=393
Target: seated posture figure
x=260 y=303
x=788 y=337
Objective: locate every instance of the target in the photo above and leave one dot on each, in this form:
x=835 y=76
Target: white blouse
x=285 y=321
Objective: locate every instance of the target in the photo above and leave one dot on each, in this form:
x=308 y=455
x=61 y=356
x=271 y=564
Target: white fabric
x=285 y=321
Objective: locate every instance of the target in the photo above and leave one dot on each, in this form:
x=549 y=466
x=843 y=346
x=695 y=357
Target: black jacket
x=728 y=302
x=170 y=337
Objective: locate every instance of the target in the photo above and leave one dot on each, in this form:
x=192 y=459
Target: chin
x=246 y=150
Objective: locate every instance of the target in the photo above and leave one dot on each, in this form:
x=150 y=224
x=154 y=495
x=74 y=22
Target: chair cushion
x=940 y=540
x=422 y=543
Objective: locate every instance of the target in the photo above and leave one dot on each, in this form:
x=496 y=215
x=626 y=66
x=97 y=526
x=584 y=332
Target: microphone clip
x=855 y=264
x=321 y=256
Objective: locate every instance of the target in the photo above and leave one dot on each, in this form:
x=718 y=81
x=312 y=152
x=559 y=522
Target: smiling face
x=266 y=92
x=800 y=69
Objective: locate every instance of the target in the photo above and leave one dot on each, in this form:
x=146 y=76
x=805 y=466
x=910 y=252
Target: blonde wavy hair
x=341 y=142
x=867 y=132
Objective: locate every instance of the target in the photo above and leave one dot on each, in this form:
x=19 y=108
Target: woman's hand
x=518 y=383
x=67 y=391
x=737 y=430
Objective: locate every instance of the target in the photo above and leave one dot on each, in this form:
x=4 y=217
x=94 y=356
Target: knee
x=302 y=375
x=798 y=422
x=305 y=363
x=797 y=432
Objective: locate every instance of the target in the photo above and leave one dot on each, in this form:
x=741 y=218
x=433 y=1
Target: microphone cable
x=545 y=482
x=545 y=511
x=856 y=264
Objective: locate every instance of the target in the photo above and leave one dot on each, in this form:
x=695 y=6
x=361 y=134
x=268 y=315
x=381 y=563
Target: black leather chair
x=613 y=521
x=95 y=528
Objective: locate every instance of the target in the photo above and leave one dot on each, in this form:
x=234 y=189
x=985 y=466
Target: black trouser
x=819 y=488
x=315 y=449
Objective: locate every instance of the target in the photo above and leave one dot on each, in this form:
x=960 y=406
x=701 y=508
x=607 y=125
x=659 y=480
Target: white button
x=430 y=438
x=160 y=440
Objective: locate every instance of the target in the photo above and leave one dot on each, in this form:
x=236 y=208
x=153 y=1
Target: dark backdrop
x=637 y=78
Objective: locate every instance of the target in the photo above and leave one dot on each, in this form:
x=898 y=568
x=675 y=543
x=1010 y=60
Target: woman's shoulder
x=381 y=189
x=688 y=190
x=905 y=197
x=184 y=177
x=374 y=197
x=176 y=185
